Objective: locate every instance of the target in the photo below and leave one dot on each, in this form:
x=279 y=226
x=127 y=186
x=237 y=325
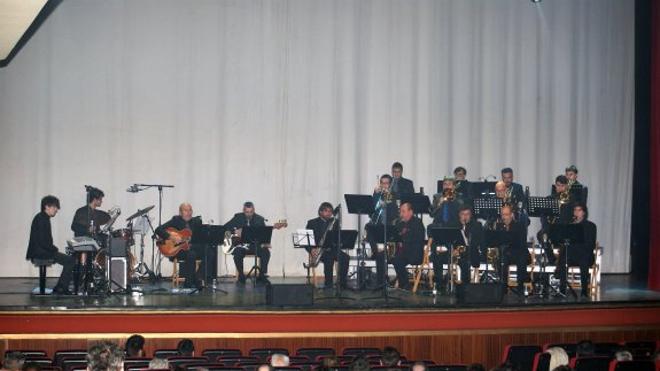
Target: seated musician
x=473 y=235
x=322 y=226
x=580 y=254
x=88 y=219
x=516 y=252
x=411 y=249
x=514 y=191
x=386 y=211
x=562 y=193
x=444 y=209
x=180 y=222
x=400 y=185
x=249 y=218
x=41 y=243
x=506 y=194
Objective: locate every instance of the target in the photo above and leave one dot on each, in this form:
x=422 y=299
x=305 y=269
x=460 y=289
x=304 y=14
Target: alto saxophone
x=316 y=253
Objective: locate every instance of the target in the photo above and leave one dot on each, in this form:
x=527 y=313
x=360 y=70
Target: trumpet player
x=322 y=226
x=473 y=235
x=444 y=210
x=385 y=213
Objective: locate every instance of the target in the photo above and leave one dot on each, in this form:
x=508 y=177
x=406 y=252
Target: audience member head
x=264 y=367
x=391 y=357
x=585 y=348
x=330 y=362
x=623 y=355
x=186 y=348
x=279 y=360
x=476 y=367
x=359 y=364
x=418 y=366
x=558 y=357
x=135 y=346
x=30 y=366
x=105 y=356
x=158 y=363
x=13 y=361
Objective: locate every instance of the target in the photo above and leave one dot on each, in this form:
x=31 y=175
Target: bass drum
x=101 y=257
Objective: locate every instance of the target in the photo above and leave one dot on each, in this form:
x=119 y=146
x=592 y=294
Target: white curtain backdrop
x=291 y=103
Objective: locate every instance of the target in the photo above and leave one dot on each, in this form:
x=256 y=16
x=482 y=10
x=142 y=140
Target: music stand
x=487 y=208
x=347 y=239
x=360 y=205
x=256 y=236
x=542 y=207
x=420 y=203
x=304 y=239
x=383 y=234
x=208 y=235
x=482 y=189
x=498 y=239
x=565 y=235
x=447 y=236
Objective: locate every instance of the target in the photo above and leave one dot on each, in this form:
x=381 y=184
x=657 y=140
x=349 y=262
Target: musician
x=322 y=227
x=385 y=212
x=516 y=251
x=473 y=234
x=411 y=249
x=462 y=186
x=460 y=173
x=571 y=174
x=514 y=190
x=179 y=222
x=249 y=218
x=41 y=243
x=88 y=219
x=580 y=254
x=400 y=185
x=444 y=210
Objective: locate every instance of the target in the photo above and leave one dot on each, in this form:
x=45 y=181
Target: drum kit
x=92 y=252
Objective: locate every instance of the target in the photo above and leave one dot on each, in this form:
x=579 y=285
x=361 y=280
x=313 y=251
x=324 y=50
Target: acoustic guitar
x=170 y=248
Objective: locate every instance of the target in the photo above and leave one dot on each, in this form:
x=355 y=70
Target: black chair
x=214 y=354
x=521 y=355
x=364 y=352
x=263 y=353
x=182 y=360
x=607 y=349
x=166 y=353
x=306 y=366
x=136 y=363
x=592 y=364
x=73 y=364
x=62 y=355
x=42 y=264
x=541 y=362
x=28 y=353
x=230 y=361
x=41 y=361
x=313 y=353
x=632 y=366
x=211 y=367
x=447 y=368
x=641 y=350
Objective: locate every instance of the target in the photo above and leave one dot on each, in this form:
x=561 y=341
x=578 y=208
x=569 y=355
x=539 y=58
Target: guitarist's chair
x=176 y=278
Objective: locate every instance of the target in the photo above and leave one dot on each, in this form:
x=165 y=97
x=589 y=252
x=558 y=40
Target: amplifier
x=290 y=294
x=118 y=270
x=480 y=293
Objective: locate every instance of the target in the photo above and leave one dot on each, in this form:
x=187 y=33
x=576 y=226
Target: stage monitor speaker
x=119 y=273
x=285 y=295
x=480 y=293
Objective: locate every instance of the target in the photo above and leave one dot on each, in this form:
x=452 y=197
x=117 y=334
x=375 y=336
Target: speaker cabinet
x=480 y=293
x=294 y=295
x=117 y=267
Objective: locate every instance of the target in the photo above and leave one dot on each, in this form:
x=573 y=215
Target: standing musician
x=473 y=235
x=249 y=218
x=41 y=243
x=180 y=222
x=411 y=249
x=516 y=252
x=581 y=254
x=444 y=210
x=462 y=185
x=88 y=219
x=571 y=173
x=322 y=226
x=385 y=213
x=400 y=185
x=514 y=191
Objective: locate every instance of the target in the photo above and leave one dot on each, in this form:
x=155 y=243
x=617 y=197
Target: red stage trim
x=315 y=322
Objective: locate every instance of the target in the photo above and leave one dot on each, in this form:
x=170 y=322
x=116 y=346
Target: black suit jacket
x=517 y=192
x=475 y=234
x=41 y=238
x=240 y=220
x=412 y=234
x=319 y=227
x=402 y=187
x=80 y=224
x=590 y=236
x=177 y=222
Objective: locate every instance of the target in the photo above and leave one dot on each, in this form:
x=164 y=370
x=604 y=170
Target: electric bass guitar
x=233 y=239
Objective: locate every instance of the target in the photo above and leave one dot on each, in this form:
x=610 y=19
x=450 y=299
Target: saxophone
x=316 y=253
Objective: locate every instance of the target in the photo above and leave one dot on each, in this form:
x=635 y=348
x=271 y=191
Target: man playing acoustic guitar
x=175 y=236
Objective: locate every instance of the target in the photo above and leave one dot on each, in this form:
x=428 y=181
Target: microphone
x=133 y=189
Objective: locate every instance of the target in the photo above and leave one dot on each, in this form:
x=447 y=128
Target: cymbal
x=139 y=213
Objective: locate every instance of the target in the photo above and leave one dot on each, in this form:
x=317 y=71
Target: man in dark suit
x=515 y=190
x=411 y=231
x=580 y=254
x=41 y=243
x=322 y=226
x=249 y=218
x=400 y=186
x=179 y=222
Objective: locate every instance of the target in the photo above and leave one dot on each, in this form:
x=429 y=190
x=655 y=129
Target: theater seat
x=214 y=354
x=313 y=353
x=521 y=355
x=591 y=364
x=263 y=353
x=357 y=352
x=541 y=362
x=447 y=368
x=631 y=366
